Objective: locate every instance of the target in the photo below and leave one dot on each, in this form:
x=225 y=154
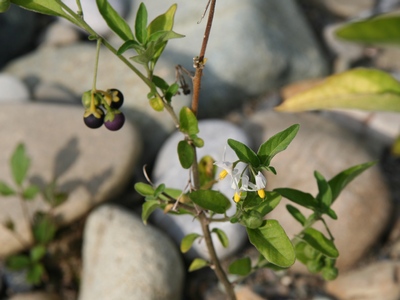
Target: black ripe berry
x=116 y=123
x=114 y=98
x=93 y=119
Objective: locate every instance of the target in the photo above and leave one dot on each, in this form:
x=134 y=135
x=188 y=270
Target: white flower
x=246 y=185
x=227 y=167
x=261 y=182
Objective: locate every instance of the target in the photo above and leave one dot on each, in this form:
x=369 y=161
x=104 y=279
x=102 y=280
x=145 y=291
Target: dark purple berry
x=114 y=98
x=93 y=119
x=116 y=123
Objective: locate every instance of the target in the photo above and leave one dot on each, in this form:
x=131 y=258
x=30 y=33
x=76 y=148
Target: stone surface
x=329 y=148
x=249 y=51
x=59 y=34
x=91 y=165
x=36 y=296
x=168 y=170
x=124 y=259
x=18 y=26
x=349 y=8
x=12 y=89
x=373 y=282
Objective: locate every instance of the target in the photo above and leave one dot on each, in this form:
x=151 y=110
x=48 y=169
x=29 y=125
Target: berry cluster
x=101 y=107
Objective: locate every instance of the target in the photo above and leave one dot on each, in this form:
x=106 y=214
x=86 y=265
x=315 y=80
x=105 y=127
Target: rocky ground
x=103 y=251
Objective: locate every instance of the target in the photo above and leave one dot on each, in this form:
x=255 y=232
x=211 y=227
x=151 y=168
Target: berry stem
x=96 y=66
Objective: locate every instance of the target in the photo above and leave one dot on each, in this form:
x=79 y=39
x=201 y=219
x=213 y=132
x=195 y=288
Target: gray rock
x=91 y=165
x=249 y=52
x=373 y=282
x=349 y=8
x=328 y=148
x=36 y=296
x=12 y=89
x=124 y=259
x=168 y=170
x=59 y=34
x=17 y=33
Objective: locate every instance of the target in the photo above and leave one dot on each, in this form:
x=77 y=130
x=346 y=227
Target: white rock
x=12 y=89
x=168 y=170
x=91 y=165
x=364 y=206
x=124 y=259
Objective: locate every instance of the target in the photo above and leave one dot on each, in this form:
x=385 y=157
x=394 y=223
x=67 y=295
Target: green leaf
x=156 y=103
x=35 y=273
x=272 y=242
x=18 y=262
x=147 y=208
x=373 y=31
x=30 y=192
x=324 y=196
x=20 y=163
x=198 y=263
x=319 y=242
x=37 y=253
x=268 y=204
x=5 y=189
x=330 y=273
x=188 y=241
x=47 y=7
x=159 y=189
x=299 y=197
x=186 y=154
x=160 y=83
x=296 y=214
x=161 y=37
x=43 y=228
x=172 y=90
x=4 y=5
x=276 y=144
x=223 y=238
x=241 y=266
x=211 y=200
x=188 y=122
x=244 y=153
x=361 y=88
x=144 y=189
x=114 y=20
x=53 y=197
x=130 y=44
x=163 y=22
x=339 y=182
x=141 y=23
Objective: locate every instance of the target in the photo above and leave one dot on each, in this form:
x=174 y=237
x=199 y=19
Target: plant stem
x=200 y=61
x=214 y=258
x=203 y=218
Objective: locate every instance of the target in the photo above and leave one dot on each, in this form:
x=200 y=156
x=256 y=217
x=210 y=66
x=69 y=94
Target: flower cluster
x=99 y=102
x=241 y=182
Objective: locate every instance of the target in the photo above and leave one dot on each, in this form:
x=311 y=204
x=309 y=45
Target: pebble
x=12 y=89
x=324 y=146
x=376 y=281
x=168 y=170
x=91 y=165
x=124 y=259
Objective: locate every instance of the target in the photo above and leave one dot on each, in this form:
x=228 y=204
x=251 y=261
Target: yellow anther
x=261 y=193
x=223 y=174
x=236 y=197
